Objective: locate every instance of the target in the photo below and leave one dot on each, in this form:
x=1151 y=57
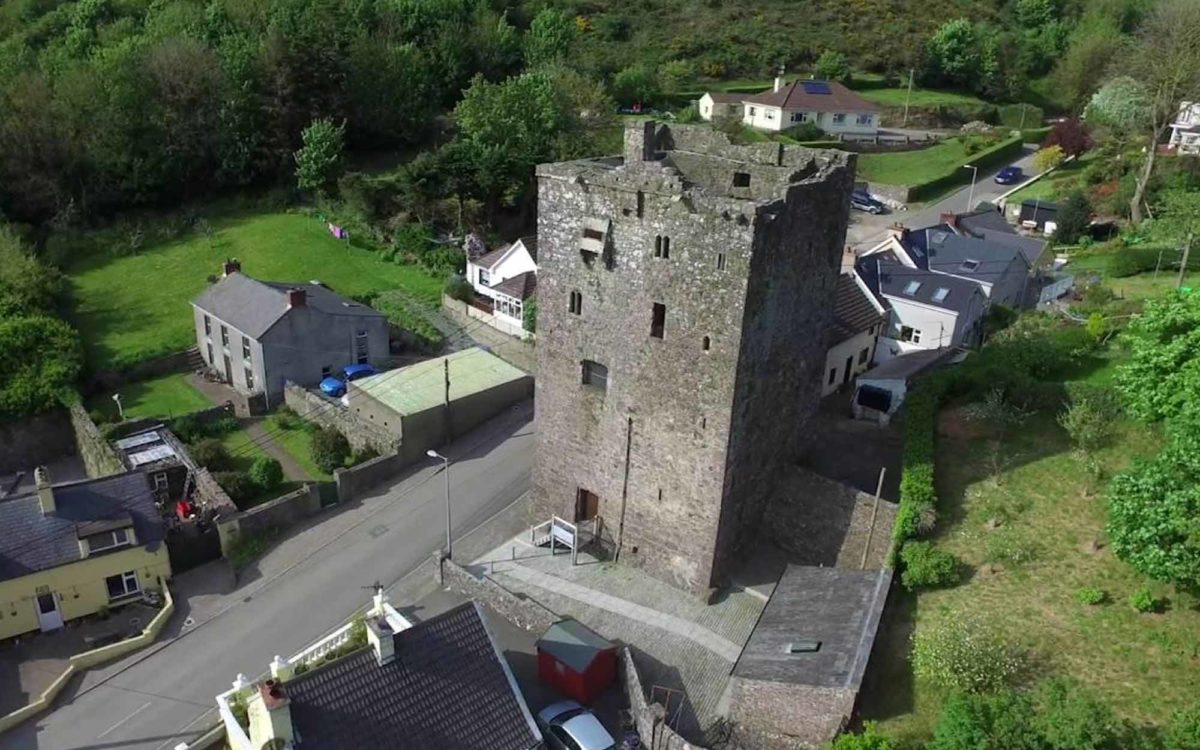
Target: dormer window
x=912 y=288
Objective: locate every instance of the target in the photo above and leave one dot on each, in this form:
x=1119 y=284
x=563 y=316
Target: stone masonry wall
x=522 y=612
x=781 y=716
x=356 y=481
x=654 y=445
x=359 y=432
x=100 y=459
x=650 y=718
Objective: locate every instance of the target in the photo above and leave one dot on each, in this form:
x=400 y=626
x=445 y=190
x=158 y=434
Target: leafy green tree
x=529 y=315
x=673 y=75
x=1161 y=378
x=1074 y=218
x=40 y=357
x=833 y=66
x=996 y=721
x=550 y=35
x=1091 y=48
x=26 y=285
x=1122 y=104
x=635 y=84
x=330 y=449
x=870 y=738
x=1048 y=158
x=1071 y=717
x=954 y=52
x=319 y=160
x=266 y=473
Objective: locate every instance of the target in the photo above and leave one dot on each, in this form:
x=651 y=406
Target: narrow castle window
x=741 y=179
x=576 y=303
x=595 y=375
x=720 y=261
x=662 y=247
x=641 y=204
x=707 y=343
x=658 y=320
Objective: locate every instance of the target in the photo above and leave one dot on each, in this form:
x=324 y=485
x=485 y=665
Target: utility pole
x=1187 y=248
x=1158 y=263
x=908 y=97
x=446 y=400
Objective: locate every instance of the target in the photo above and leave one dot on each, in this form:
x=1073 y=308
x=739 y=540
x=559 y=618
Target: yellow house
x=70 y=550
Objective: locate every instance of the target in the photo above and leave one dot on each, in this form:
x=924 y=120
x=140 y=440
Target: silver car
x=566 y=725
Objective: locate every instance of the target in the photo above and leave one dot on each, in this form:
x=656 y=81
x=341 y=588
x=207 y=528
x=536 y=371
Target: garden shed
x=576 y=661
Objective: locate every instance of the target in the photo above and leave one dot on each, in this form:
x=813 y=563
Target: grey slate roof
x=30 y=542
x=252 y=306
x=488 y=260
x=573 y=644
x=975 y=222
x=448 y=688
x=838 y=607
x=852 y=310
x=891 y=277
x=1031 y=247
x=803 y=95
x=906 y=366
x=947 y=252
x=522 y=286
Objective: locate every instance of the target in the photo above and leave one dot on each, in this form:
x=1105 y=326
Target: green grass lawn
x=912 y=167
x=297 y=441
x=164 y=397
x=1055 y=186
x=920 y=98
x=242 y=449
x=130 y=308
x=1026 y=572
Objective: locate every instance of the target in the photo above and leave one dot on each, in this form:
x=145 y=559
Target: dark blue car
x=1009 y=176
x=861 y=200
x=336 y=386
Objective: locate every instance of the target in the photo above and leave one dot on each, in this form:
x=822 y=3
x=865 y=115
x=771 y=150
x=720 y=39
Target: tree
x=1048 y=158
x=997 y=721
x=27 y=287
x=635 y=84
x=549 y=38
x=1074 y=218
x=1071 y=717
x=1090 y=50
x=319 y=160
x=1165 y=58
x=330 y=449
x=673 y=75
x=1121 y=104
x=869 y=739
x=1070 y=135
x=833 y=66
x=953 y=52
x=40 y=357
x=1161 y=378
x=266 y=472
x=529 y=315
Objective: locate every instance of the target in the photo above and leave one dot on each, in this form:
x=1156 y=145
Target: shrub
x=330 y=449
x=222 y=426
x=806 y=131
x=926 y=566
x=1091 y=595
x=986 y=722
x=529 y=315
x=1143 y=600
x=1089 y=416
x=266 y=473
x=237 y=484
x=996 y=409
x=1070 y=717
x=965 y=654
x=918 y=496
x=459 y=288
x=366 y=454
x=869 y=739
x=1020 y=116
x=187 y=428
x=288 y=419
x=1048 y=158
x=1074 y=219
x=688 y=114
x=210 y=454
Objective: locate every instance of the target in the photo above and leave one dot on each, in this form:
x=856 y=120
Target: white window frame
x=484 y=277
x=118 y=537
x=127 y=578
x=865 y=119
x=160 y=481
x=799 y=117
x=839 y=118
x=910 y=335
x=248 y=376
x=754 y=111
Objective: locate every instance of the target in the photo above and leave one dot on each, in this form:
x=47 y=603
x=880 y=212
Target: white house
x=505 y=279
x=1185 y=131
x=717 y=106
x=829 y=105
x=858 y=318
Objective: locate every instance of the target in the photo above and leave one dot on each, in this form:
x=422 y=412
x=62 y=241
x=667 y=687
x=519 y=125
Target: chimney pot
x=778 y=83
x=273 y=694
x=849 y=259
x=950 y=220
x=231 y=265
x=45 y=490
x=297 y=298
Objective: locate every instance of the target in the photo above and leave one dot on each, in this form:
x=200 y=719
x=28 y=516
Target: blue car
x=336 y=386
x=1009 y=176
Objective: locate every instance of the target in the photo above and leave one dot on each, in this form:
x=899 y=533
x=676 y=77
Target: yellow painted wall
x=79 y=587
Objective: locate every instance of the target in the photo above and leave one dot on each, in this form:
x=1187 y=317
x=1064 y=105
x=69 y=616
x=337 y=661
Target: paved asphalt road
x=866 y=230
x=306 y=587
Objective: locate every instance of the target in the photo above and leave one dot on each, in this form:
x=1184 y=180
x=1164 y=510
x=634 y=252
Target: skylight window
x=969 y=265
x=912 y=287
x=940 y=294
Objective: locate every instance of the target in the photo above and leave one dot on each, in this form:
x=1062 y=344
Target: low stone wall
x=503 y=343
x=89 y=659
x=650 y=718
x=356 y=481
x=100 y=459
x=211 y=495
x=279 y=513
x=524 y=613
x=33 y=441
x=894 y=196
x=361 y=433
x=781 y=716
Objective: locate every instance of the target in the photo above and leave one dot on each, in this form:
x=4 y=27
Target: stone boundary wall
x=88 y=659
x=650 y=718
x=517 y=352
x=211 y=495
x=524 y=613
x=35 y=440
x=100 y=459
x=356 y=481
x=279 y=513
x=361 y=433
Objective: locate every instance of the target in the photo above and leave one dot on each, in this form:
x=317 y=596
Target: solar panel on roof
x=143 y=439
x=816 y=87
x=157 y=453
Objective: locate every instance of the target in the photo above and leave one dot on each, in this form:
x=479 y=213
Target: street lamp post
x=120 y=409
x=971 y=194
x=445 y=470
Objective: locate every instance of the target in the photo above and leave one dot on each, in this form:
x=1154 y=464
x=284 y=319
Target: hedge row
x=1002 y=152
x=1130 y=261
x=1035 y=135
x=918 y=495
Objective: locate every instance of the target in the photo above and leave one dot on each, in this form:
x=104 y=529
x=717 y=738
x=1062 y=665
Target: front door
x=587 y=505
x=49 y=617
x=228 y=371
x=849 y=369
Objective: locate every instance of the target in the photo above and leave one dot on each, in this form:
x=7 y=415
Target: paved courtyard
x=684 y=649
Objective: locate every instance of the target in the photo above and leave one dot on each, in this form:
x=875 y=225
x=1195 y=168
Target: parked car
x=861 y=200
x=566 y=725
x=336 y=386
x=1009 y=175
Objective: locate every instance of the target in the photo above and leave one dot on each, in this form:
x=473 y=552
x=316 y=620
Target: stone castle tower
x=684 y=291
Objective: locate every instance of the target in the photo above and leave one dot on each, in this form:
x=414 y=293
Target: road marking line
x=114 y=727
x=184 y=728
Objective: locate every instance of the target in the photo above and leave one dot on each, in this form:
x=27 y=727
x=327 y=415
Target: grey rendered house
x=259 y=334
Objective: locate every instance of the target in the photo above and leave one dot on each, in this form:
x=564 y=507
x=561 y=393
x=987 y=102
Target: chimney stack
x=297 y=298
x=45 y=491
x=270 y=714
x=849 y=259
x=898 y=231
x=380 y=636
x=950 y=220
x=231 y=265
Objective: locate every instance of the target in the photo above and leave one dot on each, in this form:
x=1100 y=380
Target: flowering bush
x=965 y=655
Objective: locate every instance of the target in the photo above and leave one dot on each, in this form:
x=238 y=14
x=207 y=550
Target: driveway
x=866 y=230
x=304 y=588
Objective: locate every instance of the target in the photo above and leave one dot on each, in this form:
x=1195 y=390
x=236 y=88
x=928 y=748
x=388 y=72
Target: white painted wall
x=938 y=328
x=775 y=119
x=764 y=118
x=513 y=263
x=835 y=360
